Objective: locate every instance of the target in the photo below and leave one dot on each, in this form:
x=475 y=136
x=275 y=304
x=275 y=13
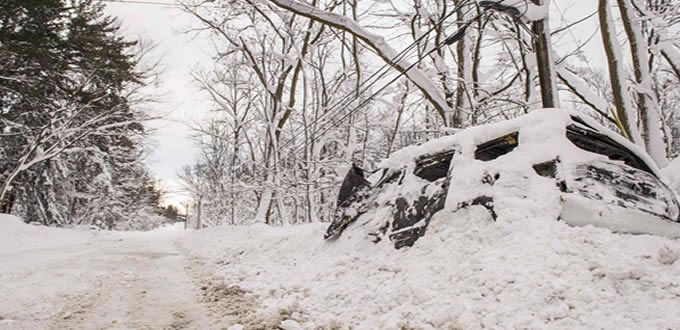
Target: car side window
x=495 y=148
x=353 y=182
x=434 y=167
x=592 y=141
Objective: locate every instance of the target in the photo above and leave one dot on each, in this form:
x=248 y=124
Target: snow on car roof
x=544 y=124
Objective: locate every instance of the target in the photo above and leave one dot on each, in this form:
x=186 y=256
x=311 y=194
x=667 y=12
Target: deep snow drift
x=468 y=272
x=17 y=236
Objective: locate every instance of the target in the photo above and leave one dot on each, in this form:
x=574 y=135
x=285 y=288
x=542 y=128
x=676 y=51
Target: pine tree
x=73 y=140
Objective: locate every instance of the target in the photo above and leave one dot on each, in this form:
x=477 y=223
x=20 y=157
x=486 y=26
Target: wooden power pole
x=544 y=60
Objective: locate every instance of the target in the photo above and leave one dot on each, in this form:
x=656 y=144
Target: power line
x=336 y=110
x=339 y=110
x=454 y=37
x=447 y=41
x=381 y=72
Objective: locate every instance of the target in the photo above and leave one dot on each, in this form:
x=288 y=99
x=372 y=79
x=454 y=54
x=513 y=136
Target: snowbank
x=467 y=272
x=17 y=236
x=672 y=174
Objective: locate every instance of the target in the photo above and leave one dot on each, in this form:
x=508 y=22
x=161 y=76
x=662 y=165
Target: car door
x=422 y=194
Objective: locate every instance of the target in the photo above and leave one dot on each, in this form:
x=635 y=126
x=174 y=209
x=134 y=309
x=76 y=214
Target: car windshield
x=434 y=167
x=590 y=140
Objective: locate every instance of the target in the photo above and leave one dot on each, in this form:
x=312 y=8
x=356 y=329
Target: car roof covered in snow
x=554 y=121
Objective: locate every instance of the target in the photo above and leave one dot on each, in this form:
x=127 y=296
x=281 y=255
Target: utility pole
x=186 y=215
x=198 y=212
x=544 y=59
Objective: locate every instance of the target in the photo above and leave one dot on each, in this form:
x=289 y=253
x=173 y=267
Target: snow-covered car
x=549 y=162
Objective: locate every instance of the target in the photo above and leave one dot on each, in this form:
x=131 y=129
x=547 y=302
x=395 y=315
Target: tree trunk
x=647 y=104
x=7 y=203
x=624 y=108
x=198 y=213
x=544 y=59
x=463 y=69
x=397 y=124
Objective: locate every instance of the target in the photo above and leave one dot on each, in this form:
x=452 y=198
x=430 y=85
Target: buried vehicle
x=549 y=162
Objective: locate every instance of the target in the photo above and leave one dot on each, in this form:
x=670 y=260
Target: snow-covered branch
x=522 y=9
x=377 y=43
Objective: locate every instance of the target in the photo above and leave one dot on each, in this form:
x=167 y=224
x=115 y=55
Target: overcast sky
x=180 y=101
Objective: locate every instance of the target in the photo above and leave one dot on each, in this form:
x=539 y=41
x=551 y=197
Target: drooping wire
x=336 y=109
x=383 y=70
x=448 y=41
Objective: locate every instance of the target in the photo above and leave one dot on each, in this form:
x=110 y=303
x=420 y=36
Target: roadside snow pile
x=468 y=272
x=672 y=173
x=17 y=236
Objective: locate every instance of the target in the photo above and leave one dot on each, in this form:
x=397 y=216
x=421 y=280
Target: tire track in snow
x=150 y=292
x=132 y=284
x=229 y=303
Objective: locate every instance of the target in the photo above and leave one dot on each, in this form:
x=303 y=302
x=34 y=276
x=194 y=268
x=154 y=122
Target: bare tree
x=647 y=104
x=625 y=113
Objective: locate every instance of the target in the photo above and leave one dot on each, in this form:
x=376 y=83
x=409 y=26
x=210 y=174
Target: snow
x=468 y=272
x=581 y=88
x=18 y=236
x=386 y=52
x=672 y=174
x=74 y=279
x=579 y=211
x=545 y=126
x=528 y=10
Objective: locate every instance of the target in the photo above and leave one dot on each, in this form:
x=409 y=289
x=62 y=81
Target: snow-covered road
x=468 y=272
x=130 y=282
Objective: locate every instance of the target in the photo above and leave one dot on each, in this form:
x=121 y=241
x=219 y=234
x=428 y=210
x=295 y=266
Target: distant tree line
x=72 y=138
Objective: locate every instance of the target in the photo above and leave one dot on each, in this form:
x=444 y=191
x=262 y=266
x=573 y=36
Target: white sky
x=180 y=101
x=183 y=104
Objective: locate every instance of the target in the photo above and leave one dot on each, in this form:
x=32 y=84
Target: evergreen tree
x=72 y=140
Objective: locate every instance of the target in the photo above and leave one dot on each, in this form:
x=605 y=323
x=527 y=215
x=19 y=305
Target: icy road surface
x=141 y=282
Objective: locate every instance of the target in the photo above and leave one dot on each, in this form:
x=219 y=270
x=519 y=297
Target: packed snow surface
x=468 y=272
x=18 y=236
x=672 y=173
